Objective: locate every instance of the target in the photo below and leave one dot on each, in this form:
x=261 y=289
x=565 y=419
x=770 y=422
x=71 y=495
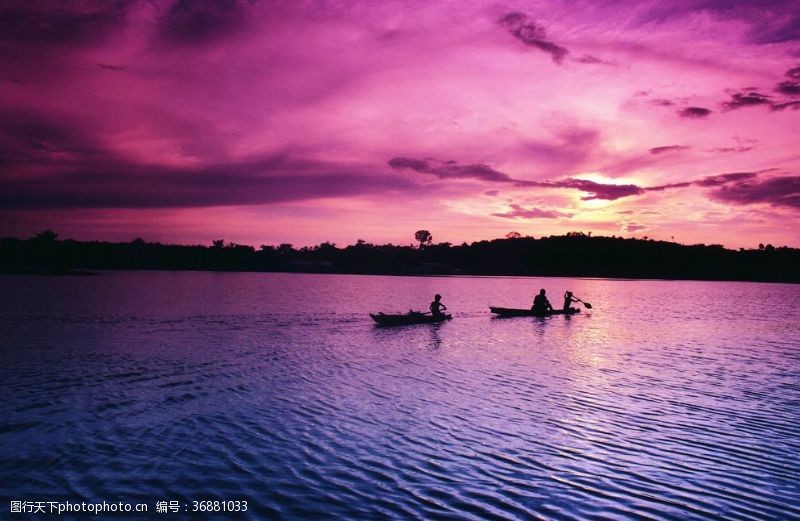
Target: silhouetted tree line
x=574 y=254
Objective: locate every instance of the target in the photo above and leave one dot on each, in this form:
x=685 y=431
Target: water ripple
x=296 y=403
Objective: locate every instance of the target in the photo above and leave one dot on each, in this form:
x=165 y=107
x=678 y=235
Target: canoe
x=512 y=312
x=407 y=319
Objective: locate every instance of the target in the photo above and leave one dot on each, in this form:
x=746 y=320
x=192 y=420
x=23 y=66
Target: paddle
x=588 y=306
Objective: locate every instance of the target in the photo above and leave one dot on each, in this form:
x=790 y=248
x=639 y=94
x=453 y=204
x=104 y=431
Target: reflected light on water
x=664 y=401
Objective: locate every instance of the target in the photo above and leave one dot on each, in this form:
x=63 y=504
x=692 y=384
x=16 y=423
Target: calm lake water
x=667 y=400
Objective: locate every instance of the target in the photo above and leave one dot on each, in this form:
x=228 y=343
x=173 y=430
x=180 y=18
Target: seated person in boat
x=436 y=306
x=569 y=299
x=540 y=303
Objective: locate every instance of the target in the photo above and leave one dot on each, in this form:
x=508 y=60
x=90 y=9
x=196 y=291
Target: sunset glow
x=304 y=122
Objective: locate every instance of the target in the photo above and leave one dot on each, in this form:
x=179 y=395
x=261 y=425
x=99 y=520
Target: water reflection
x=279 y=389
x=435 y=338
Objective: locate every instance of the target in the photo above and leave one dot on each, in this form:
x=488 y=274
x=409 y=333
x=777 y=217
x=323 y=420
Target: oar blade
x=588 y=306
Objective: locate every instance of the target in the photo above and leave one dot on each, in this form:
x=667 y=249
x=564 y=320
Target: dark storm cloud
x=694 y=112
x=532 y=34
x=518 y=212
x=201 y=21
x=776 y=191
x=60 y=23
x=746 y=99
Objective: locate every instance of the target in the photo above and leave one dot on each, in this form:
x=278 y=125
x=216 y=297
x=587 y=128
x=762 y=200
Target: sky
x=263 y=122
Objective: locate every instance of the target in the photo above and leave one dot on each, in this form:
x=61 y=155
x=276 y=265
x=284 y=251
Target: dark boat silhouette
x=515 y=312
x=407 y=319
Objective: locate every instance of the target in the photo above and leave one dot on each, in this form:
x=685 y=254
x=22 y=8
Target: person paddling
x=540 y=303
x=569 y=299
x=436 y=306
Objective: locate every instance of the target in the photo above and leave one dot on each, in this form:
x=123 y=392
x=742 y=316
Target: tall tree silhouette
x=46 y=236
x=424 y=237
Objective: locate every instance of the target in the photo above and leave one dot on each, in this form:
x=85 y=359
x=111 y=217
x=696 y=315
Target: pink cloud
x=633 y=227
x=518 y=212
x=776 y=191
x=170 y=107
x=695 y=112
x=532 y=34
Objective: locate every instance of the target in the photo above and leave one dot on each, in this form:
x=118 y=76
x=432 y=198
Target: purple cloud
x=171 y=103
x=29 y=138
x=694 y=112
x=746 y=99
x=201 y=21
x=668 y=148
x=109 y=182
x=530 y=33
x=721 y=179
x=766 y=22
x=736 y=149
x=661 y=102
x=633 y=227
x=518 y=212
x=786 y=105
x=776 y=191
x=450 y=169
x=785 y=27
x=661 y=188
x=592 y=189
x=595 y=190
x=111 y=67
x=789 y=88
x=57 y=23
x=590 y=59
